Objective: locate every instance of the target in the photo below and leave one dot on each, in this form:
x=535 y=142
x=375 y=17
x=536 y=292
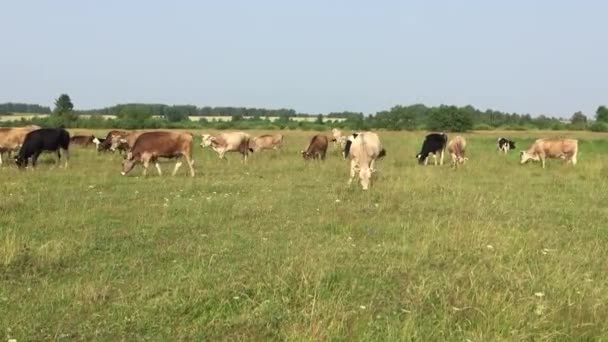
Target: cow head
x=365 y=176
x=20 y=161
x=524 y=156
x=128 y=164
x=207 y=140
x=306 y=155
x=117 y=141
x=420 y=158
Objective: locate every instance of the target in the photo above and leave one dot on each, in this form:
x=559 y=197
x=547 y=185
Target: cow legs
x=35 y=159
x=353 y=171
x=66 y=153
x=145 y=164
x=435 y=158
x=441 y=159
x=177 y=166
x=542 y=161
x=190 y=165
x=160 y=173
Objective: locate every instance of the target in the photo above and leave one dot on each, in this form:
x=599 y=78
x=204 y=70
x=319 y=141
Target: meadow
x=282 y=249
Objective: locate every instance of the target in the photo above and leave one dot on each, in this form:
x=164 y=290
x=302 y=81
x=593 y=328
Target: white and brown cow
x=365 y=149
x=228 y=142
x=150 y=146
x=542 y=149
x=266 y=142
x=456 y=149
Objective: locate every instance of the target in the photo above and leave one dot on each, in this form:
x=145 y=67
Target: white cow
x=228 y=142
x=365 y=149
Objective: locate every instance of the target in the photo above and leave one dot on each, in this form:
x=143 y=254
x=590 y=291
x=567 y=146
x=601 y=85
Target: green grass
x=281 y=249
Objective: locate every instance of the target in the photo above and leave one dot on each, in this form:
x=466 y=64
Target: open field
x=280 y=249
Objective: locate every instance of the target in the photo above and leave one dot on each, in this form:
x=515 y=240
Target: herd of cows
x=145 y=147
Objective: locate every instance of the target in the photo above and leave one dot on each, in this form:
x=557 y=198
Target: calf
x=44 y=139
x=456 y=148
x=504 y=145
x=434 y=144
x=150 y=146
x=542 y=149
x=228 y=142
x=317 y=148
x=266 y=142
x=365 y=149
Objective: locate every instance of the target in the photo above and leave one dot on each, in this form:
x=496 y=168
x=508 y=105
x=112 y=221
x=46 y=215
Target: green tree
x=63 y=105
x=450 y=118
x=63 y=114
x=319 y=119
x=578 y=118
x=602 y=114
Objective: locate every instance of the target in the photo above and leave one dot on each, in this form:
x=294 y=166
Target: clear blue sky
x=538 y=57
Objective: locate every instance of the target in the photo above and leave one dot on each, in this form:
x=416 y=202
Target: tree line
x=413 y=117
x=12 y=108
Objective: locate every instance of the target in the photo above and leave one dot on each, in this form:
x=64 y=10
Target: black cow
x=504 y=144
x=44 y=139
x=434 y=144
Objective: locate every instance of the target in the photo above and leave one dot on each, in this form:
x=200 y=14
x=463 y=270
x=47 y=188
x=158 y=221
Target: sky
x=315 y=56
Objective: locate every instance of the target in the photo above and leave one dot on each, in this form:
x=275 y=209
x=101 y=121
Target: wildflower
x=539 y=294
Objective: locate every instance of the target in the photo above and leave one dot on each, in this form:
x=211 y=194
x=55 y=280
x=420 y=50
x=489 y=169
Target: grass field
x=281 y=249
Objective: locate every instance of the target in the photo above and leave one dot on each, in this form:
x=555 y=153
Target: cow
x=542 y=149
x=266 y=142
x=434 y=144
x=109 y=139
x=44 y=139
x=338 y=139
x=365 y=149
x=317 y=148
x=228 y=142
x=125 y=142
x=84 y=140
x=505 y=145
x=456 y=148
x=11 y=139
x=150 y=146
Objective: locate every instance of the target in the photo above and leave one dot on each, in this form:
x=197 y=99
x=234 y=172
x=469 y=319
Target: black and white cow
x=435 y=144
x=44 y=139
x=504 y=145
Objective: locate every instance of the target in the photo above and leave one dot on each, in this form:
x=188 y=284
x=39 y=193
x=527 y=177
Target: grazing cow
x=317 y=148
x=505 y=145
x=365 y=149
x=150 y=146
x=44 y=139
x=542 y=149
x=110 y=138
x=228 y=142
x=11 y=139
x=266 y=142
x=84 y=140
x=434 y=144
x=456 y=148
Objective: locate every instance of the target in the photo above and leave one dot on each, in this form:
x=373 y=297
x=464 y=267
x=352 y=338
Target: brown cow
x=317 y=147
x=11 y=139
x=456 y=148
x=110 y=138
x=153 y=145
x=83 y=140
x=266 y=142
x=542 y=149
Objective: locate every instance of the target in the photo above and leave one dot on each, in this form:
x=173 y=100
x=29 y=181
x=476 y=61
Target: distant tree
x=63 y=104
x=63 y=114
x=450 y=118
x=319 y=119
x=578 y=118
x=601 y=114
x=173 y=114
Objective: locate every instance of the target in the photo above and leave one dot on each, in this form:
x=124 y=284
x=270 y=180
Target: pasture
x=282 y=249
